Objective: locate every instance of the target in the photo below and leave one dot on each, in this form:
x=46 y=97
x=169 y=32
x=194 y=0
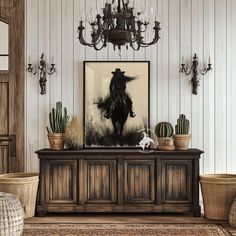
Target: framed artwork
x=116 y=103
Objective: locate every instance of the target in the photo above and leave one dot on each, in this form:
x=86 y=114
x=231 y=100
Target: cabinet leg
x=197 y=211
x=41 y=214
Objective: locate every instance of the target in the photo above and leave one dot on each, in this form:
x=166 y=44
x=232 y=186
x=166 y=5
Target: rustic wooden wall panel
x=4 y=161
x=206 y=27
x=4 y=103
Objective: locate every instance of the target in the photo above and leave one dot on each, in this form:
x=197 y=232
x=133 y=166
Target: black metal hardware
x=119 y=25
x=195 y=70
x=44 y=69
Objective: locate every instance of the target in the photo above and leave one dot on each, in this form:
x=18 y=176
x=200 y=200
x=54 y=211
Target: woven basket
x=232 y=214
x=24 y=186
x=218 y=191
x=11 y=215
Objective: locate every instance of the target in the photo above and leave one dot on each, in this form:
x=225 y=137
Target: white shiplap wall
x=206 y=27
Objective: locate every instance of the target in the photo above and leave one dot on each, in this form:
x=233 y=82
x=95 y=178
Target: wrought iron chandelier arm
x=156 y=36
x=184 y=69
x=206 y=70
x=81 y=37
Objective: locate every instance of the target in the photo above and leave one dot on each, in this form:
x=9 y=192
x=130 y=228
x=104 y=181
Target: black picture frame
x=131 y=136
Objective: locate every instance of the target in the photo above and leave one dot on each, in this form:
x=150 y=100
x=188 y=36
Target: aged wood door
x=139 y=181
x=11 y=86
x=61 y=182
x=100 y=181
x=176 y=181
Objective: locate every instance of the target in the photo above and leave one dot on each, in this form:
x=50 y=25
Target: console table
x=123 y=180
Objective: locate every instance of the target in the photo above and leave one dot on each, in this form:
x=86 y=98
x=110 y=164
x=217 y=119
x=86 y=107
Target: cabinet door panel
x=176 y=181
x=61 y=181
x=139 y=181
x=100 y=181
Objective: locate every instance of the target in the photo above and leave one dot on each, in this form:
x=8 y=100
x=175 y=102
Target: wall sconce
x=44 y=69
x=195 y=70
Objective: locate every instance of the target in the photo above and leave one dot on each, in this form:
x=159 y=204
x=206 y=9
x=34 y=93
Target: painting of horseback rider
x=116 y=103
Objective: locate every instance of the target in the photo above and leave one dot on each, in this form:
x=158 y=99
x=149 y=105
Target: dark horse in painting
x=118 y=105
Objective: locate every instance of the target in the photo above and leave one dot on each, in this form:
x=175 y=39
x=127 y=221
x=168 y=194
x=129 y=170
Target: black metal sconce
x=44 y=69
x=195 y=70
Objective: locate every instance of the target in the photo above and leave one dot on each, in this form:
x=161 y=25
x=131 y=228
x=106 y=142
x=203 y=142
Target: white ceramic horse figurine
x=146 y=141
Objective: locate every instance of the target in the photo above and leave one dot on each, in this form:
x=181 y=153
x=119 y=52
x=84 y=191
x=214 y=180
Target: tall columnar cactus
x=182 y=126
x=164 y=130
x=57 y=120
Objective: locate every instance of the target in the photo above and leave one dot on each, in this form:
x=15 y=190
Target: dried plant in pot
x=74 y=134
x=58 y=121
x=182 y=136
x=164 y=132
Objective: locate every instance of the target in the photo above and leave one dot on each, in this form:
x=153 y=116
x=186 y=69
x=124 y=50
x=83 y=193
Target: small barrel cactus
x=182 y=126
x=164 y=130
x=57 y=119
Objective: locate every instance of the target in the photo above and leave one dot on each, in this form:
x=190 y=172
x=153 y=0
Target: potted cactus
x=182 y=136
x=58 y=121
x=164 y=132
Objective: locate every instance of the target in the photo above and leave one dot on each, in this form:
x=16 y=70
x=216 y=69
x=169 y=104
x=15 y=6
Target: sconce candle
x=44 y=69
x=195 y=71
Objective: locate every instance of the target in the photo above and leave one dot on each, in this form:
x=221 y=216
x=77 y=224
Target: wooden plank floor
x=124 y=218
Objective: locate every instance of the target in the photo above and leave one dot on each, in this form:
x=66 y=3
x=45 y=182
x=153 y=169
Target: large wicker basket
x=24 y=186
x=11 y=215
x=218 y=191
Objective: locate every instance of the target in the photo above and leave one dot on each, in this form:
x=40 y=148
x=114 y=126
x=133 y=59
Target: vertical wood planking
x=44 y=47
x=205 y=27
x=220 y=86
x=32 y=85
x=140 y=55
x=79 y=55
x=197 y=100
x=103 y=54
x=91 y=54
x=56 y=50
x=162 y=73
x=151 y=55
x=67 y=54
x=186 y=53
x=209 y=91
x=174 y=60
x=231 y=86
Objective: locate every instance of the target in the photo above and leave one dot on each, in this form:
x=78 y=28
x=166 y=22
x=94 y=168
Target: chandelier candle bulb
x=120 y=25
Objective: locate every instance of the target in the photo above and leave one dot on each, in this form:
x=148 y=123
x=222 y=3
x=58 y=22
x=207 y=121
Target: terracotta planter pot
x=165 y=141
x=165 y=144
x=56 y=141
x=182 y=141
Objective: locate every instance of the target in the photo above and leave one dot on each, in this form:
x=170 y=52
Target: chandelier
x=120 y=25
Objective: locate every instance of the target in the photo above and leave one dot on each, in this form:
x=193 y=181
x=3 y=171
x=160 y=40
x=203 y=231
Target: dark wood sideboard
x=122 y=180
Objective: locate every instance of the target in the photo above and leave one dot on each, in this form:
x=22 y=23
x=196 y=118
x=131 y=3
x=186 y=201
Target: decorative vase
x=182 y=141
x=56 y=141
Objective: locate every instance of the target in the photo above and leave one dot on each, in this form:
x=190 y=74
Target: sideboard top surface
x=189 y=152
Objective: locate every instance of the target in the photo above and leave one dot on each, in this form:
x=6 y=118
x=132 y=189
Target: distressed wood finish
x=176 y=181
x=92 y=180
x=139 y=181
x=61 y=181
x=100 y=181
x=12 y=90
